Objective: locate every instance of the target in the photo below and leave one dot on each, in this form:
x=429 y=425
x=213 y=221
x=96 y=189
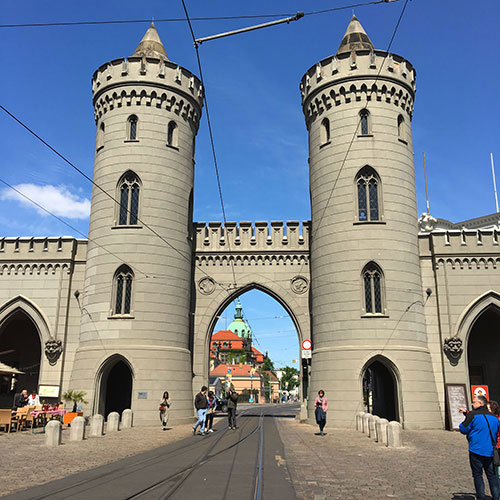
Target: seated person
x=21 y=399
x=33 y=399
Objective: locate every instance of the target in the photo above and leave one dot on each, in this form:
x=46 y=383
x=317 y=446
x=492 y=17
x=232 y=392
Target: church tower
x=135 y=306
x=370 y=349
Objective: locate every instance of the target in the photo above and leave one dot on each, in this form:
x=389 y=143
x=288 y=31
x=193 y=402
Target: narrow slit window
x=325 y=131
x=373 y=289
x=124 y=278
x=364 y=122
x=401 y=127
x=172 y=134
x=132 y=128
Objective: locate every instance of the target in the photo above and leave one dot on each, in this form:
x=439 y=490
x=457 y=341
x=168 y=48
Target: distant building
x=244 y=379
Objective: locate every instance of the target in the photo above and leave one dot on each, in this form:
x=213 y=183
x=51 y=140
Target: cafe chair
x=6 y=419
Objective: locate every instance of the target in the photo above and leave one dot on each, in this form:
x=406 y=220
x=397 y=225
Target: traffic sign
x=306 y=345
x=306 y=354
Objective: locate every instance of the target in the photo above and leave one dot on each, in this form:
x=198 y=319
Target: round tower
x=135 y=329
x=369 y=334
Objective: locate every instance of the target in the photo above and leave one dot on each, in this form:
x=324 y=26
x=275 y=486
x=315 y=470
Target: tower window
x=373 y=289
x=368 y=193
x=172 y=134
x=401 y=127
x=129 y=190
x=325 y=131
x=99 y=143
x=364 y=117
x=132 y=128
x=123 y=280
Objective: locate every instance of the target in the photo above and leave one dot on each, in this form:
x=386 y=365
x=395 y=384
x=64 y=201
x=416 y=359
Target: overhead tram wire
x=73 y=166
x=182 y=19
x=316 y=226
x=210 y=133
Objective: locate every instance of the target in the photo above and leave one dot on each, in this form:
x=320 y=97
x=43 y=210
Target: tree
x=75 y=397
x=289 y=379
x=268 y=366
x=236 y=356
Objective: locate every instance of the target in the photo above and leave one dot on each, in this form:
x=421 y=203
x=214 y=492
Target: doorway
x=380 y=391
x=116 y=387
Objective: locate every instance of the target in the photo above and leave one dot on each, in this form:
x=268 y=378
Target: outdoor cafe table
x=47 y=415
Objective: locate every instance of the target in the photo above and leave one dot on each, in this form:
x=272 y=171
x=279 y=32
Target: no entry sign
x=306 y=345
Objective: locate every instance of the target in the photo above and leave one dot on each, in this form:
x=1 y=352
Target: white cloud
x=57 y=199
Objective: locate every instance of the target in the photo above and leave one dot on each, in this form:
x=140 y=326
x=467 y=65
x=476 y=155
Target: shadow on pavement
x=463 y=496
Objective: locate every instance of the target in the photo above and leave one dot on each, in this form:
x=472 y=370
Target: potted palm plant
x=74 y=397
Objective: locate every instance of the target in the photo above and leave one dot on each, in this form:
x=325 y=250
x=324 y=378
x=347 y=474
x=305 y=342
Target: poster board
x=456 y=397
x=48 y=391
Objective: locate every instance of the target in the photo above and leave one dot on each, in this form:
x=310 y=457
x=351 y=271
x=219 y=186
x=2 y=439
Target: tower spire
x=355 y=38
x=151 y=45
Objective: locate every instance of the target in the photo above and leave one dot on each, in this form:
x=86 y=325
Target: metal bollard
x=364 y=419
x=381 y=428
x=97 y=425
x=394 y=435
x=53 y=431
x=127 y=417
x=77 y=431
x=113 y=422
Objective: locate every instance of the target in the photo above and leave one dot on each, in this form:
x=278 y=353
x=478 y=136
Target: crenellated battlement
x=145 y=81
x=248 y=236
x=358 y=76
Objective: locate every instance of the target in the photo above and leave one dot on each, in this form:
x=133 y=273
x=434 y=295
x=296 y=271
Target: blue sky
x=252 y=88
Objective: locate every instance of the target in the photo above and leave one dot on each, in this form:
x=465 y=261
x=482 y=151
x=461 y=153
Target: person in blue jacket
x=481 y=429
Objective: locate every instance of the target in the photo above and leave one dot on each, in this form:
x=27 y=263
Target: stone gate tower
x=136 y=301
x=368 y=324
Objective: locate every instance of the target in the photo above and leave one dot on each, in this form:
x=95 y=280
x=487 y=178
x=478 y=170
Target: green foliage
x=232 y=357
x=267 y=385
x=289 y=379
x=75 y=397
x=268 y=365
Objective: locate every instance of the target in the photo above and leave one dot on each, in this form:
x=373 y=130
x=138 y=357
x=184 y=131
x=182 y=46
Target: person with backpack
x=481 y=429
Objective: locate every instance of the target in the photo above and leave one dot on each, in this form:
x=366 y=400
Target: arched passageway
x=20 y=348
x=380 y=391
x=483 y=351
x=115 y=392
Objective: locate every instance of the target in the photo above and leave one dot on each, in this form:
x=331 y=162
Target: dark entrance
x=20 y=348
x=116 y=388
x=483 y=351
x=379 y=391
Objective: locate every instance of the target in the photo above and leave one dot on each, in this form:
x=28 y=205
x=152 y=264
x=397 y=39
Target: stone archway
x=114 y=386
x=380 y=389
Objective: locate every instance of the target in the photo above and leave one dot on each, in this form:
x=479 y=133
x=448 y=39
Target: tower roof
x=238 y=325
x=355 y=38
x=150 y=45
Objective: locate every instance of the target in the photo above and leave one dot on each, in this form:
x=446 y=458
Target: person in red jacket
x=321 y=407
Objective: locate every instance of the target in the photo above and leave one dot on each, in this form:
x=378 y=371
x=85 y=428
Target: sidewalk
x=347 y=465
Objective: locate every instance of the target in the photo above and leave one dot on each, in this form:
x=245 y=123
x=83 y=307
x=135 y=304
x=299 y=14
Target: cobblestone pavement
x=346 y=464
x=25 y=461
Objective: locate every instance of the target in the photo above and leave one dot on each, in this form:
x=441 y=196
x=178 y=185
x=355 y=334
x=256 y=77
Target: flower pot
x=68 y=417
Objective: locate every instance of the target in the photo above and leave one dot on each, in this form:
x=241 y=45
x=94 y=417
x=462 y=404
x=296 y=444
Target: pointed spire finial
x=150 y=45
x=355 y=38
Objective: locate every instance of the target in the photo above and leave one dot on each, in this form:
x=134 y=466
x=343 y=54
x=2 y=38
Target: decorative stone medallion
x=453 y=349
x=206 y=285
x=299 y=284
x=53 y=350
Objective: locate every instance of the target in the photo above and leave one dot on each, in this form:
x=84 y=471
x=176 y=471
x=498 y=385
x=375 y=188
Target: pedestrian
x=33 y=399
x=232 y=402
x=201 y=405
x=481 y=429
x=164 y=406
x=494 y=408
x=321 y=407
x=212 y=405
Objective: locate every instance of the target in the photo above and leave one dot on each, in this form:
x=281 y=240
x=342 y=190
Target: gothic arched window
x=368 y=194
x=172 y=134
x=364 y=125
x=99 y=143
x=373 y=287
x=132 y=128
x=123 y=280
x=325 y=131
x=401 y=127
x=129 y=188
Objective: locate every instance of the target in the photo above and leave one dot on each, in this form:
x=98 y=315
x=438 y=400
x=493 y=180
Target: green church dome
x=238 y=325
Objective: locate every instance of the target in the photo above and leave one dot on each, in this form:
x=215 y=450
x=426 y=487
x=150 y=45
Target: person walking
x=201 y=405
x=232 y=402
x=164 y=406
x=212 y=404
x=481 y=429
x=321 y=407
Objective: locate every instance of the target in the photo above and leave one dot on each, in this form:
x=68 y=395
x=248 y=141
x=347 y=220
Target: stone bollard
x=127 y=419
x=303 y=411
x=113 y=422
x=373 y=426
x=394 y=435
x=359 y=421
x=77 y=431
x=53 y=433
x=97 y=425
x=365 y=418
x=381 y=428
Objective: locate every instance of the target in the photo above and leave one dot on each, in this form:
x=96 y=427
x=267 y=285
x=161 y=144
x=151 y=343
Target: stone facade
x=134 y=311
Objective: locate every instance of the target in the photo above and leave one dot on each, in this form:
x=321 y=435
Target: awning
x=6 y=369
